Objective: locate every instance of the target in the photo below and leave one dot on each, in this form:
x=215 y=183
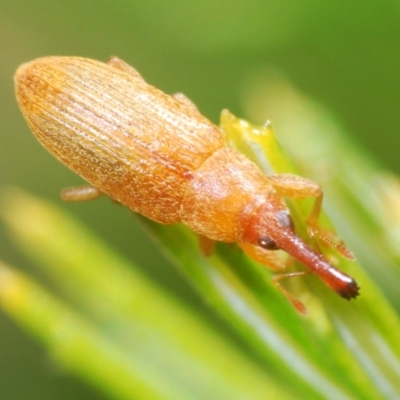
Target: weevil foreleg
x=273 y=261
x=80 y=193
x=298 y=305
x=296 y=187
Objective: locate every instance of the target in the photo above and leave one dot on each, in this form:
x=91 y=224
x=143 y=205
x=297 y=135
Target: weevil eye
x=267 y=243
x=284 y=219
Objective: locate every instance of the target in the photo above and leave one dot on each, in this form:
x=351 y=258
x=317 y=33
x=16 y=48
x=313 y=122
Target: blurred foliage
x=222 y=54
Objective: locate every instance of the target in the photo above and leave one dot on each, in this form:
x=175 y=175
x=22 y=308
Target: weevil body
x=159 y=156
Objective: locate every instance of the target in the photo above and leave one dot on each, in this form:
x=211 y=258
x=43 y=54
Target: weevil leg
x=207 y=245
x=298 y=305
x=123 y=66
x=271 y=259
x=80 y=193
x=296 y=187
x=185 y=100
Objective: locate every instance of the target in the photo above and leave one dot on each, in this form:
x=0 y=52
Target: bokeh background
x=345 y=55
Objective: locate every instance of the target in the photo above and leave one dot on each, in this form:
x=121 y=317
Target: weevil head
x=272 y=228
x=270 y=225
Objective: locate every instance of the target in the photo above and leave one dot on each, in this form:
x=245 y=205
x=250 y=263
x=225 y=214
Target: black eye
x=267 y=243
x=284 y=219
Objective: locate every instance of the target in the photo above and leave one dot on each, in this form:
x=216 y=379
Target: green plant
x=124 y=334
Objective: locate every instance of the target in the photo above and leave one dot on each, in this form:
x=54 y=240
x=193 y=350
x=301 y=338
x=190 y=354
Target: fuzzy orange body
x=159 y=156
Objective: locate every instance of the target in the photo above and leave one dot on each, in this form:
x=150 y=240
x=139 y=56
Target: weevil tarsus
x=80 y=193
x=298 y=305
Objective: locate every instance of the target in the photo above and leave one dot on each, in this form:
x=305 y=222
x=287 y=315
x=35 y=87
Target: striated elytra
x=159 y=156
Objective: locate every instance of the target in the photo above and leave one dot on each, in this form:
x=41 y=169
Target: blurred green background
x=345 y=55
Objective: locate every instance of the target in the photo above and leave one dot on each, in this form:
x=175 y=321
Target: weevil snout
x=274 y=230
x=338 y=281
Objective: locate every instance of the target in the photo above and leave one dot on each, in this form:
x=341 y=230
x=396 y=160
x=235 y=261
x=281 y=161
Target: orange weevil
x=159 y=156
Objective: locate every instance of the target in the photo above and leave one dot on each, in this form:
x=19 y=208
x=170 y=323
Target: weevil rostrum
x=160 y=157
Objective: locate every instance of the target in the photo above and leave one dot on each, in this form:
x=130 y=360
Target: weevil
x=159 y=156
